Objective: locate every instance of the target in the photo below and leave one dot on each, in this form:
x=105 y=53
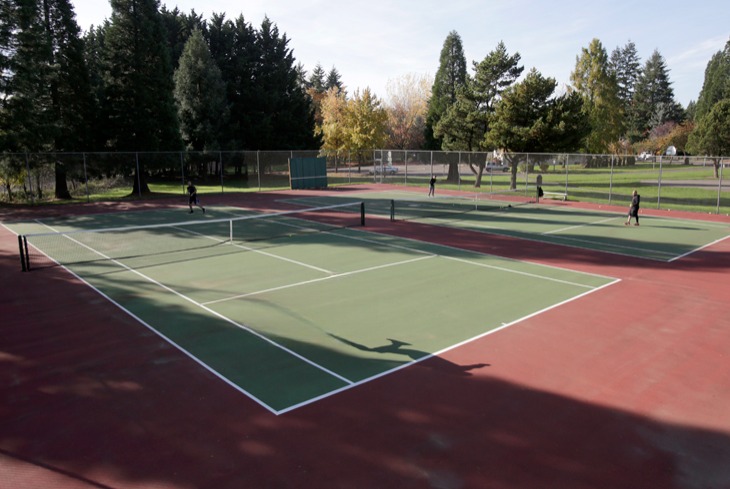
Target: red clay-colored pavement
x=625 y=388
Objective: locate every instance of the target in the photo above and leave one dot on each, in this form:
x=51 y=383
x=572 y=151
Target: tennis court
x=658 y=238
x=293 y=307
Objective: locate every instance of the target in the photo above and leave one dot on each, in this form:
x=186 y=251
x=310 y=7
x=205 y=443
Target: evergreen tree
x=234 y=48
x=450 y=77
x=594 y=81
x=94 y=56
x=48 y=100
x=466 y=122
x=7 y=28
x=654 y=102
x=285 y=116
x=334 y=80
x=28 y=122
x=625 y=67
x=200 y=95
x=716 y=85
x=179 y=28
x=712 y=133
x=138 y=83
x=138 y=79
x=528 y=118
x=316 y=79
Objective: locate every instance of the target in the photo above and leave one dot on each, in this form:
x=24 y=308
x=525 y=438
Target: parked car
x=494 y=167
x=386 y=170
x=646 y=156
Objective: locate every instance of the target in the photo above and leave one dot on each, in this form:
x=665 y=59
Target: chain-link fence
x=678 y=182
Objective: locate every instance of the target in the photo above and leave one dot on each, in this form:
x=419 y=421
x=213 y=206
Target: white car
x=646 y=156
x=386 y=170
x=496 y=167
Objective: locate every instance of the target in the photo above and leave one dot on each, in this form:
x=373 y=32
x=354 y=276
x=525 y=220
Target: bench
x=554 y=195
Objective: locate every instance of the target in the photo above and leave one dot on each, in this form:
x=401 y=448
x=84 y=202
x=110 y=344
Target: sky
x=376 y=43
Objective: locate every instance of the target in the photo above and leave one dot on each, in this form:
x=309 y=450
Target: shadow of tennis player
x=397 y=347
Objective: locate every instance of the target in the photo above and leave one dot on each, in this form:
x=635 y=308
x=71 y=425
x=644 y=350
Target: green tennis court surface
x=657 y=238
x=290 y=317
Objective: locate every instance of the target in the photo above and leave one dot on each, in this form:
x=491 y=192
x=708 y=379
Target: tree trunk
x=140 y=184
x=61 y=183
x=453 y=176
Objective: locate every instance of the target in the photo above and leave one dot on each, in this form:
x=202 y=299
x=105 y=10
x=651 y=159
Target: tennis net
x=450 y=207
x=204 y=237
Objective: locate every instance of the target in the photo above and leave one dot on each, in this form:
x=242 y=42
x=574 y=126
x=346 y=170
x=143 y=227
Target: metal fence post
x=659 y=185
x=86 y=179
x=30 y=178
x=719 y=187
x=258 y=167
x=610 y=182
x=220 y=161
x=139 y=177
x=182 y=170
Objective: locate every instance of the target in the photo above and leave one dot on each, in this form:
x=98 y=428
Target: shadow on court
x=399 y=348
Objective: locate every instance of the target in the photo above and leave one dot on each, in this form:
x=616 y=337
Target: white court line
x=582 y=225
x=526 y=274
x=699 y=249
x=270 y=255
x=307 y=282
x=349 y=383
x=218 y=315
x=440 y=352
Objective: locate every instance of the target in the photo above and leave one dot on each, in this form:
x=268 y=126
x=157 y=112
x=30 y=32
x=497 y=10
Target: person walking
x=193 y=197
x=432 y=186
x=634 y=209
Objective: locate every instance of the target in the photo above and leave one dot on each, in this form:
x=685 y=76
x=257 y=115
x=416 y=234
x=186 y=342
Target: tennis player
x=193 y=197
x=634 y=209
x=432 y=186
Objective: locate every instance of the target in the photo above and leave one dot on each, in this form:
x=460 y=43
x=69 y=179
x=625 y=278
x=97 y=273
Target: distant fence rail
x=693 y=183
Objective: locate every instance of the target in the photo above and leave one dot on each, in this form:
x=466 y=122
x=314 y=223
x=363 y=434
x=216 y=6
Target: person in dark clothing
x=432 y=186
x=193 y=197
x=634 y=209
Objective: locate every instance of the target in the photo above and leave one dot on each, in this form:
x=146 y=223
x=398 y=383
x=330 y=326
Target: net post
x=362 y=213
x=27 y=256
x=22 y=253
x=392 y=210
x=230 y=231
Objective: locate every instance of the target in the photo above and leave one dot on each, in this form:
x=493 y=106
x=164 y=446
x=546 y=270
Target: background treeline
x=153 y=79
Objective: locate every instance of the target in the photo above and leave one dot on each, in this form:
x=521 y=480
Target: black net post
x=392 y=210
x=362 y=213
x=23 y=247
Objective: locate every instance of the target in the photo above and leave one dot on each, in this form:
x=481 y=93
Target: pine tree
x=285 y=113
x=528 y=118
x=654 y=102
x=625 y=66
x=179 y=28
x=45 y=81
x=235 y=51
x=450 y=77
x=316 y=79
x=334 y=80
x=139 y=99
x=200 y=95
x=716 y=85
x=466 y=122
x=138 y=79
